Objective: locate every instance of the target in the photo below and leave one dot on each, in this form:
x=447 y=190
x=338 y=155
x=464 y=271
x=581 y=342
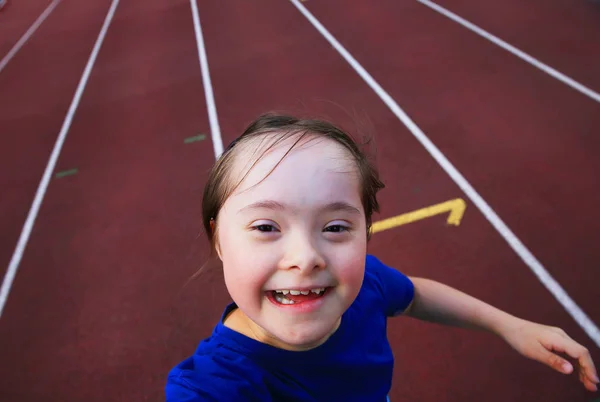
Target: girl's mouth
x=291 y=297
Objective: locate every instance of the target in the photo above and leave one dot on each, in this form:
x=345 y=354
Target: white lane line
x=528 y=258
x=208 y=90
x=519 y=53
x=43 y=186
x=11 y=53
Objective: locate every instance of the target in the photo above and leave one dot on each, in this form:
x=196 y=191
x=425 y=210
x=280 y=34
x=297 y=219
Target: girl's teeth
x=297 y=292
x=280 y=295
x=282 y=299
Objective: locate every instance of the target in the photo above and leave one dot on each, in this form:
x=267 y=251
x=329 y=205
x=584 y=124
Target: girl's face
x=301 y=230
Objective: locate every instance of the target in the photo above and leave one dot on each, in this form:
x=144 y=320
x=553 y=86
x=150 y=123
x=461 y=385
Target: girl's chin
x=304 y=337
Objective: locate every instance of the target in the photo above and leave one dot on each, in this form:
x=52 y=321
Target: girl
x=287 y=209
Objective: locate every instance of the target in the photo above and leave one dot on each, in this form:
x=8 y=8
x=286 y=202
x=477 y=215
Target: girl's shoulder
x=222 y=368
x=390 y=286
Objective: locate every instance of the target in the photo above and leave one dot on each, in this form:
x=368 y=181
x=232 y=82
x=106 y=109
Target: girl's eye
x=265 y=228
x=336 y=228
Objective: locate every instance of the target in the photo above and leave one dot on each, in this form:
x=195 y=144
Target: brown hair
x=219 y=185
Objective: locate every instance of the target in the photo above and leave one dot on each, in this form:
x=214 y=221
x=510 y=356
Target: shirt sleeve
x=396 y=288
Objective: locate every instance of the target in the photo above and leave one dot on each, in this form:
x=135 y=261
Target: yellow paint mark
x=456 y=208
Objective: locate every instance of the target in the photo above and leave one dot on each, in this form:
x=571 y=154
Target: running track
x=98 y=311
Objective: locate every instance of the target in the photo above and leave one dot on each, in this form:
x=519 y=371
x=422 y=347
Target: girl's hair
x=278 y=128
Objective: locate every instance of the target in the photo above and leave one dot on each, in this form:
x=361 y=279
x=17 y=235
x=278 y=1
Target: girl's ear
x=218 y=250
x=215 y=238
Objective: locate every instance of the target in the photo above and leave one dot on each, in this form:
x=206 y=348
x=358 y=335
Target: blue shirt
x=354 y=364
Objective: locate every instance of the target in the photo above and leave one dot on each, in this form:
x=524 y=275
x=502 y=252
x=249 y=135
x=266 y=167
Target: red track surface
x=98 y=311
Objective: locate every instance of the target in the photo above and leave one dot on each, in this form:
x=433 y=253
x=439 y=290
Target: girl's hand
x=541 y=343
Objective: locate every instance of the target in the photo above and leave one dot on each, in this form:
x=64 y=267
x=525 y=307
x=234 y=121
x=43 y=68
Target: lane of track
x=36 y=89
x=16 y=19
x=95 y=312
x=559 y=33
x=286 y=64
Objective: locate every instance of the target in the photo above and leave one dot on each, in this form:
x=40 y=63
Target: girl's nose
x=302 y=253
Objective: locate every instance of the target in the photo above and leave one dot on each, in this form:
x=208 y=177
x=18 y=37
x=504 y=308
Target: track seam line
x=528 y=258
x=510 y=48
x=43 y=186
x=215 y=130
x=28 y=34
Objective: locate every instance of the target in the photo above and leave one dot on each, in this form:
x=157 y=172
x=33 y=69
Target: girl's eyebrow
x=278 y=206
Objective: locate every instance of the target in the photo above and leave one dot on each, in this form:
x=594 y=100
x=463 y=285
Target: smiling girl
x=287 y=209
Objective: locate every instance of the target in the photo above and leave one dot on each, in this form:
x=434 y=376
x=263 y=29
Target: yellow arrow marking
x=456 y=208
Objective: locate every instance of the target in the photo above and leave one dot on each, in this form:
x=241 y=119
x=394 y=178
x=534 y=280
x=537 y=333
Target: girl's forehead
x=312 y=158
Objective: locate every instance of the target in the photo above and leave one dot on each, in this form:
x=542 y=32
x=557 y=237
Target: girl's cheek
x=246 y=267
x=352 y=264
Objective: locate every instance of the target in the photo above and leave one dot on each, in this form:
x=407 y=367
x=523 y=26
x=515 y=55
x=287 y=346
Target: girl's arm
x=435 y=302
